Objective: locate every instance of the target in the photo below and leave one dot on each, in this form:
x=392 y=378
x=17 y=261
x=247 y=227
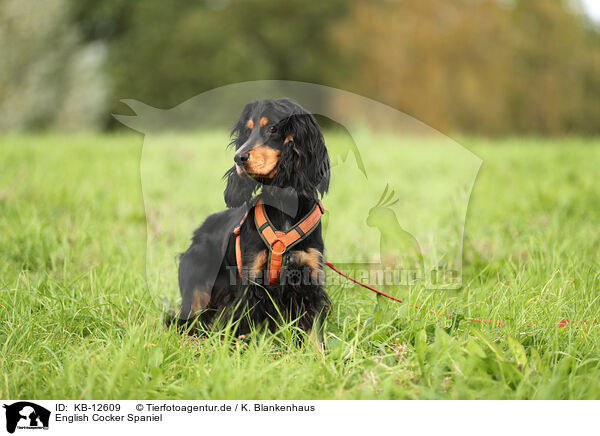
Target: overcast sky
x=593 y=8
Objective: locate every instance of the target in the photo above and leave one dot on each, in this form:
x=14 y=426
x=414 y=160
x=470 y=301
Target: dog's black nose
x=241 y=158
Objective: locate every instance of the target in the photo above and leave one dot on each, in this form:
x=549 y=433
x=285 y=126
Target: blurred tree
x=48 y=77
x=484 y=66
x=555 y=86
x=164 y=55
x=480 y=66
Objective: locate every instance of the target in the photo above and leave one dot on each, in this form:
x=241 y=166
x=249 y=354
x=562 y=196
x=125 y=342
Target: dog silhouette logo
x=26 y=415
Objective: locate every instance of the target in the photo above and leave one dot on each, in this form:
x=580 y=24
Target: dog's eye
x=272 y=129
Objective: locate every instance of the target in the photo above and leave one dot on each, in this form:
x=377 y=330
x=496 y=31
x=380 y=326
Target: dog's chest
x=286 y=225
x=282 y=222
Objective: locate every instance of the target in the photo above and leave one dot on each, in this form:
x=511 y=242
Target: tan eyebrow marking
x=263 y=121
x=250 y=124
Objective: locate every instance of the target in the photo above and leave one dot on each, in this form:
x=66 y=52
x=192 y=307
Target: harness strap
x=277 y=242
x=280 y=242
x=238 y=245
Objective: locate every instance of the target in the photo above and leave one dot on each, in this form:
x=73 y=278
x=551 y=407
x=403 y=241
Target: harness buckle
x=275 y=241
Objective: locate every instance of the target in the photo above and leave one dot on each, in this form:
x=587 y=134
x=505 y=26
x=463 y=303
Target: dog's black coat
x=208 y=267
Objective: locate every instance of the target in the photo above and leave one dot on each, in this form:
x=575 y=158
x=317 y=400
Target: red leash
x=330 y=265
x=562 y=323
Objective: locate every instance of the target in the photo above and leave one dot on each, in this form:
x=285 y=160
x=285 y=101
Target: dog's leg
x=306 y=271
x=318 y=330
x=197 y=274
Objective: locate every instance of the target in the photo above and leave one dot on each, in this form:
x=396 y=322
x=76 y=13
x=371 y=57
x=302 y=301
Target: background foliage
x=484 y=66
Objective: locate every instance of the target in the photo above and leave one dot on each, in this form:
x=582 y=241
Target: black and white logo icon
x=26 y=415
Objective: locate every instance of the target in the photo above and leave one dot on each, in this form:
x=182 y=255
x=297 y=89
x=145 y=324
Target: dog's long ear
x=304 y=161
x=239 y=188
x=239 y=131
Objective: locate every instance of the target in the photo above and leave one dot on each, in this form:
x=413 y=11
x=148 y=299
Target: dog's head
x=277 y=143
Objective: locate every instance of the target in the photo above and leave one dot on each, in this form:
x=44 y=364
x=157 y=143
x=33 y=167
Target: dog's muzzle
x=241 y=158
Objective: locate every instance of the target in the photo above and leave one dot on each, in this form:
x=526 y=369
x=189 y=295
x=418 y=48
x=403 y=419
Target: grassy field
x=80 y=318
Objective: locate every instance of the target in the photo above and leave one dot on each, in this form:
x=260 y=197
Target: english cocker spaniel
x=260 y=261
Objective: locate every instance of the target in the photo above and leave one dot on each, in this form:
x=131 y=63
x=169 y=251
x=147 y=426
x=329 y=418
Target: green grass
x=80 y=318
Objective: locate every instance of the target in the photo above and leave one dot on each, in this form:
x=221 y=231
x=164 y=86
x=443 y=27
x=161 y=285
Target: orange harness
x=277 y=242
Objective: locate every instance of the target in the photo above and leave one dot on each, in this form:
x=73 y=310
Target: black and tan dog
x=261 y=260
